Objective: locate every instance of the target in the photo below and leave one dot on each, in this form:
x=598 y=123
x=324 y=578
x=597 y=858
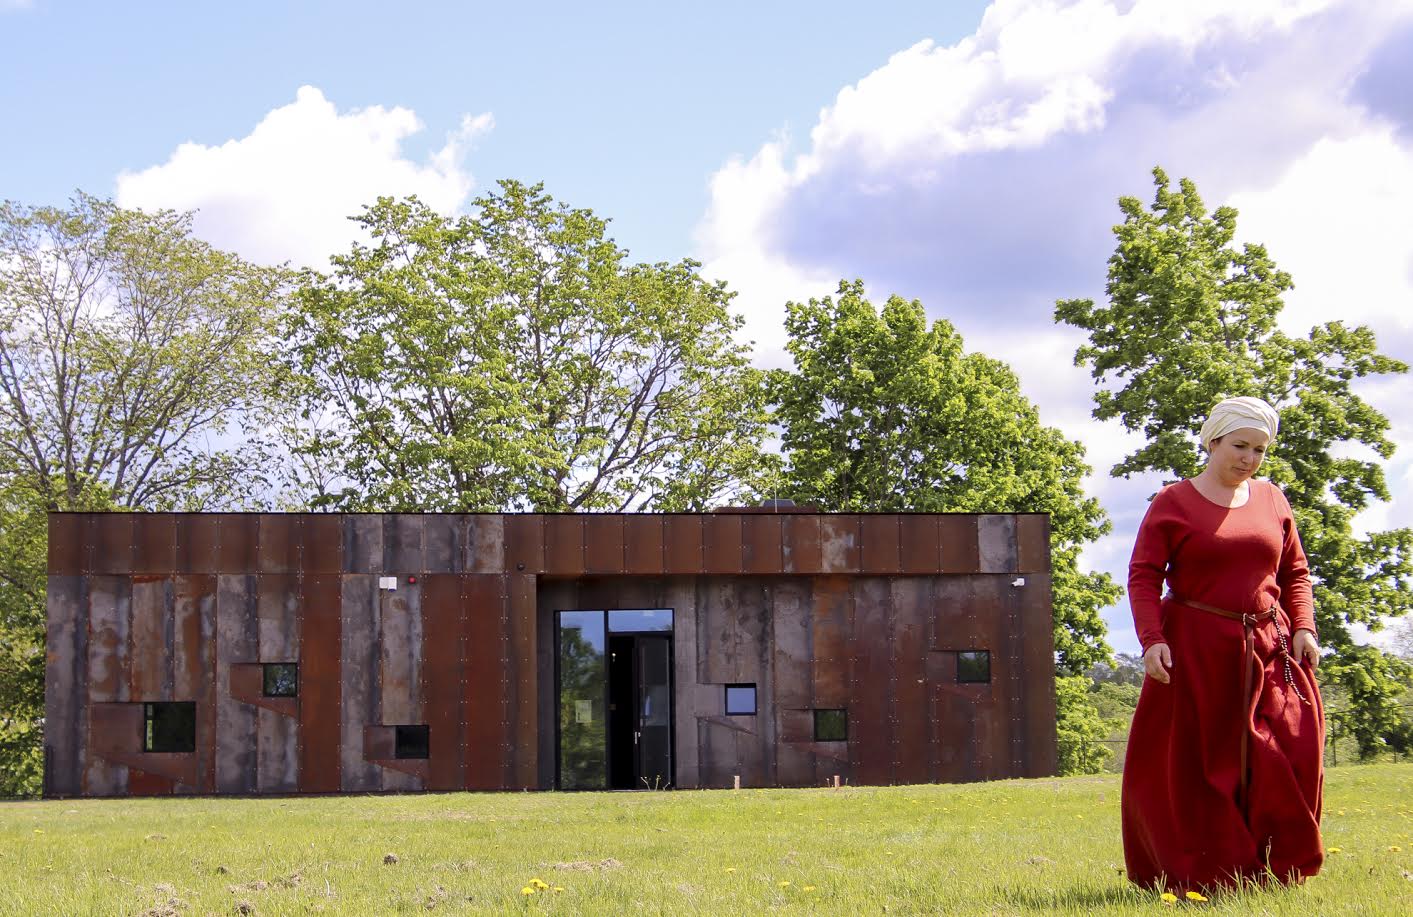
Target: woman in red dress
x=1224 y=772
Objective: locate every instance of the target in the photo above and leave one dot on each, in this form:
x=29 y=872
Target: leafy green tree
x=883 y=412
x=1080 y=729
x=514 y=359
x=134 y=373
x=1191 y=319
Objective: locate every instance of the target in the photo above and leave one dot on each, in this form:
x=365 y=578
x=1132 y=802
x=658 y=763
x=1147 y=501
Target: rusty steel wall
x=861 y=612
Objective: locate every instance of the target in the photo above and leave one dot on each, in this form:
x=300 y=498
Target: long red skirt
x=1183 y=824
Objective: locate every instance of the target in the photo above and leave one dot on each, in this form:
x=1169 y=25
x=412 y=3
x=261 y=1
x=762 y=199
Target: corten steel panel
x=142 y=783
x=564 y=544
x=278 y=610
x=65 y=681
x=237 y=539
x=643 y=544
x=872 y=733
x=761 y=544
x=322 y=536
x=150 y=675
x=111 y=535
x=878 y=535
x=439 y=543
x=832 y=611
x=248 y=686
x=996 y=543
x=754 y=660
x=682 y=544
x=68 y=543
x=115 y=736
x=237 y=640
x=959 y=546
x=954 y=613
x=485 y=689
x=791 y=681
x=680 y=594
x=194 y=668
x=402 y=544
x=278 y=541
x=362 y=546
x=400 y=664
x=154 y=543
x=1010 y=680
x=721 y=543
x=718 y=631
x=1033 y=543
x=921 y=545
x=109 y=619
x=484 y=545
x=992 y=722
x=359 y=672
x=603 y=543
x=839 y=544
x=443 y=636
x=198 y=542
x=912 y=606
x=320 y=682
x=1037 y=664
x=524 y=683
x=524 y=544
x=801 y=551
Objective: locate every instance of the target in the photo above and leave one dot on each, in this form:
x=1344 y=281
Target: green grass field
x=1012 y=847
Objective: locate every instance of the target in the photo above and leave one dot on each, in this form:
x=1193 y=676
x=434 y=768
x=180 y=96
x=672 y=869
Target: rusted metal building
x=281 y=653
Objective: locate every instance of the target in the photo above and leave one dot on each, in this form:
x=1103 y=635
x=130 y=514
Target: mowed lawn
x=1011 y=847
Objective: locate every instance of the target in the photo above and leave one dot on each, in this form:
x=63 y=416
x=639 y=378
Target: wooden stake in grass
x=736 y=782
x=836 y=781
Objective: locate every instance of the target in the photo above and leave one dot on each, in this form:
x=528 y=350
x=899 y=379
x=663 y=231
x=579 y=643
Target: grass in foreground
x=1012 y=847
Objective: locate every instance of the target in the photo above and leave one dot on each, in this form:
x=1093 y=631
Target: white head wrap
x=1236 y=413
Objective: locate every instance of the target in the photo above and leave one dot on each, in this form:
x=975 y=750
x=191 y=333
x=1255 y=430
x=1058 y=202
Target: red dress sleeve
x=1147 y=569
x=1293 y=574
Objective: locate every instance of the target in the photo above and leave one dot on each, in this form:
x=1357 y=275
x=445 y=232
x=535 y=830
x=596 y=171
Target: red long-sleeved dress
x=1184 y=825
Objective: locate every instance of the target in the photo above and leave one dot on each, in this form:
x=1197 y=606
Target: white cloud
x=285 y=190
x=982 y=176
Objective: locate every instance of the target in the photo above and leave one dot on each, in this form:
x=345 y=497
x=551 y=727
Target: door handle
x=636 y=735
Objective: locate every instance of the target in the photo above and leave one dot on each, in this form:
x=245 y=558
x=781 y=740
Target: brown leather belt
x=1248 y=626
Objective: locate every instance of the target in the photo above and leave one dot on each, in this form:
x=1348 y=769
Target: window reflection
x=582 y=678
x=637 y=621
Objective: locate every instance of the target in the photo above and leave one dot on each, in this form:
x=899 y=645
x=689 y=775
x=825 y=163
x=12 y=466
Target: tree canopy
x=515 y=359
x=1190 y=319
x=884 y=412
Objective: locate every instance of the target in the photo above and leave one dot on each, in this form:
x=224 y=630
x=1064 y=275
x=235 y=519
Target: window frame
x=399 y=743
x=755 y=699
x=985 y=657
x=265 y=668
x=149 y=709
x=843 y=713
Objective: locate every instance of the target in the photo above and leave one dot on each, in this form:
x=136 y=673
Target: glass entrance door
x=614 y=685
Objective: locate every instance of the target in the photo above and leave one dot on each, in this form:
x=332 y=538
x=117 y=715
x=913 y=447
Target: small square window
x=740 y=700
x=169 y=727
x=281 y=679
x=831 y=725
x=411 y=742
x=974 y=666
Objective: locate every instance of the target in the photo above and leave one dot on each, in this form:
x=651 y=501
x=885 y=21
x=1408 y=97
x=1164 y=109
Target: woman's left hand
x=1306 y=648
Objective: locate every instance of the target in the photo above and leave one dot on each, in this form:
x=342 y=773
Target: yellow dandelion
x=1340 y=812
x=527 y=890
x=539 y=883
x=1395 y=849
x=1168 y=898
x=784 y=883
x=1334 y=850
x=809 y=888
x=731 y=869
x=1194 y=896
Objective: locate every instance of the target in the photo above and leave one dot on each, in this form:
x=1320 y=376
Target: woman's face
x=1236 y=456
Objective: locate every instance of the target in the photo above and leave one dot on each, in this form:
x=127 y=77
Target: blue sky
x=968 y=154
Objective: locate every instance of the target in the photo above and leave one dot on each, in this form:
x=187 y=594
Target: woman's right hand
x=1156 y=662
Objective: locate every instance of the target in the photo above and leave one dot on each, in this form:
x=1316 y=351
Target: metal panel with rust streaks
x=872 y=733
x=1037 y=666
x=879 y=549
x=65 y=682
x=109 y=619
x=682 y=544
x=800 y=548
x=921 y=545
x=198 y=543
x=483 y=547
x=564 y=544
x=487 y=711
x=996 y=543
x=439 y=543
x=399 y=667
x=237 y=536
x=1033 y=543
x=403 y=550
x=524 y=544
x=717 y=631
x=832 y=611
x=643 y=544
x=194 y=667
x=359 y=624
x=111 y=535
x=603 y=543
x=154 y=543
x=278 y=543
x=68 y=544
x=237 y=641
x=150 y=675
x=321 y=678
x=912 y=605
x=839 y=544
x=321 y=536
x=791 y=681
x=363 y=544
x=278 y=599
x=443 y=648
x=761 y=544
x=959 y=547
x=721 y=543
x=523 y=683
